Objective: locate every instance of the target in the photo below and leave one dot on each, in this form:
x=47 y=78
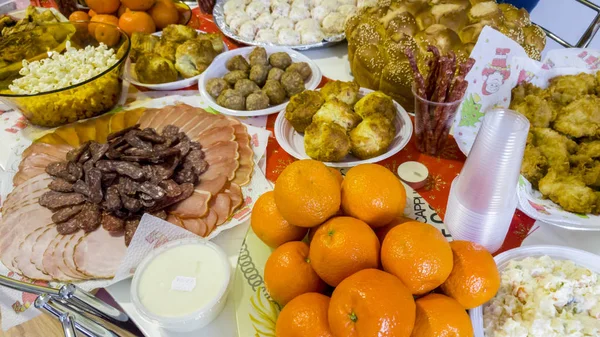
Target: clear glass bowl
x=62 y=106
x=185 y=12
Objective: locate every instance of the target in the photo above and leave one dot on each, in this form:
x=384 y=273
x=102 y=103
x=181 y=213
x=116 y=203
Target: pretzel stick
x=420 y=91
x=433 y=69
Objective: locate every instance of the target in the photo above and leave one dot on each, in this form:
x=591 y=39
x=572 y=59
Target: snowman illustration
x=496 y=72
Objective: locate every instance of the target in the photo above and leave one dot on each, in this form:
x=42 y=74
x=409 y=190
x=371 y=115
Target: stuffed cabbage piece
x=154 y=69
x=338 y=112
x=372 y=137
x=346 y=92
x=326 y=142
x=193 y=57
x=301 y=109
x=376 y=103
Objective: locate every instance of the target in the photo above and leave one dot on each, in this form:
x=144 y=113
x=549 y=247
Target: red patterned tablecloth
x=442 y=169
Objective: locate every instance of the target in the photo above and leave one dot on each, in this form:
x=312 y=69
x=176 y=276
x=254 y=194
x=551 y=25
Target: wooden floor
x=45 y=326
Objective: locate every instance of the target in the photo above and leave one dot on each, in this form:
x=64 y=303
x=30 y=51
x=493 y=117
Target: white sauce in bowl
x=182 y=280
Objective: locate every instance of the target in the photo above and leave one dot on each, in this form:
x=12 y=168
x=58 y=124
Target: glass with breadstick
x=437 y=98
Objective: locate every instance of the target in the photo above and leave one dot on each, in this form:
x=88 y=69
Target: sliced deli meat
x=81 y=189
x=24 y=256
x=99 y=253
x=51 y=257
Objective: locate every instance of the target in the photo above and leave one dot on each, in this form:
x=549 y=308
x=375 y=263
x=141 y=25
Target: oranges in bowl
x=387 y=275
x=145 y=16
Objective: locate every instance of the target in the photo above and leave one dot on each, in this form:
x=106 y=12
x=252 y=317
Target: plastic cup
x=487 y=229
x=433 y=121
x=483 y=198
x=491 y=172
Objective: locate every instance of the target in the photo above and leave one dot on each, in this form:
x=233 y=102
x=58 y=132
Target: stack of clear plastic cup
x=483 y=198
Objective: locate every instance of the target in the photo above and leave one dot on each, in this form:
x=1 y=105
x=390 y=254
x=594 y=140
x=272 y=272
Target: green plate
x=256 y=312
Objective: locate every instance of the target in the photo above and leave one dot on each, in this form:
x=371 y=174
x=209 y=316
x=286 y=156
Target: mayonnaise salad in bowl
x=545 y=291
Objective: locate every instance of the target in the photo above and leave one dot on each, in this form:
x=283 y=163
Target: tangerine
x=418 y=254
x=382 y=231
x=337 y=174
x=371 y=303
x=288 y=273
x=103 y=6
x=372 y=193
x=107 y=34
x=141 y=22
x=164 y=13
x=440 y=315
x=138 y=5
x=122 y=9
x=102 y=18
x=91 y=13
x=268 y=224
x=341 y=247
x=474 y=279
x=305 y=315
x=79 y=16
x=311 y=233
x=307 y=193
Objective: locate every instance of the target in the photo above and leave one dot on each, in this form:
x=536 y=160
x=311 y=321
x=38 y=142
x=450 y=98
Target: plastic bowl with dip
x=182 y=286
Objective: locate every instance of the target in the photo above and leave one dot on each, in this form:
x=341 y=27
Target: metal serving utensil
x=75 y=301
x=71 y=318
x=66 y=320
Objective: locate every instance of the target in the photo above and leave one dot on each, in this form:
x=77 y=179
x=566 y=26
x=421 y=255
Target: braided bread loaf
x=377 y=37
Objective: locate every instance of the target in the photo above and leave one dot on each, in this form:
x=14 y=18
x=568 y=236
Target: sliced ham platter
x=30 y=242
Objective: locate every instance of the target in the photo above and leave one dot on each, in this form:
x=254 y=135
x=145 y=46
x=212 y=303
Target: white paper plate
x=217 y=69
x=130 y=75
x=293 y=142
